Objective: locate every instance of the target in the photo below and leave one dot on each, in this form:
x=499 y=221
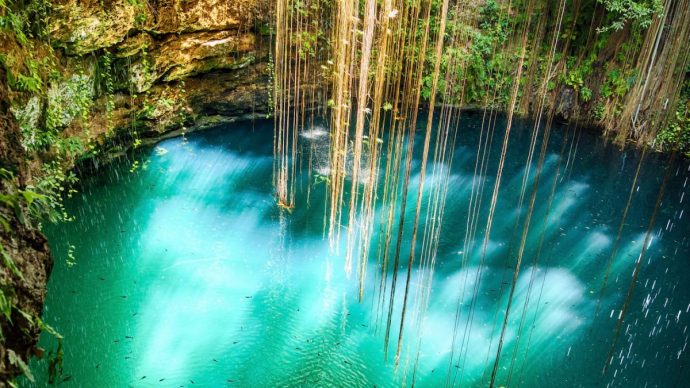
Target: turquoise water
x=187 y=274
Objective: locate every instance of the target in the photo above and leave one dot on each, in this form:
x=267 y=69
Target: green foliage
x=6 y=295
x=9 y=263
x=13 y=23
x=30 y=82
x=140 y=17
x=18 y=362
x=56 y=362
x=638 y=12
x=266 y=29
x=135 y=166
x=53 y=185
x=306 y=41
x=55 y=358
x=676 y=136
x=484 y=63
x=151 y=109
x=71 y=259
x=42 y=201
x=24 y=18
x=66 y=101
x=612 y=91
x=17 y=202
x=72 y=100
x=576 y=76
x=427 y=83
x=105 y=85
x=599 y=112
x=574 y=79
x=141 y=74
x=617 y=83
x=585 y=94
x=321 y=179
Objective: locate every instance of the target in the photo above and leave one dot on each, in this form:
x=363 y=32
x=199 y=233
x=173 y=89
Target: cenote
x=186 y=273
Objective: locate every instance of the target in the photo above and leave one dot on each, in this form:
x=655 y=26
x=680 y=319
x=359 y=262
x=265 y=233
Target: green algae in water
x=186 y=271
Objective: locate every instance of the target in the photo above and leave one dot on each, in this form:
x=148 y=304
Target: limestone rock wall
x=172 y=60
x=23 y=280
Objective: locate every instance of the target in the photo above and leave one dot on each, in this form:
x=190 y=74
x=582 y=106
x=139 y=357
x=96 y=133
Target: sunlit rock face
x=178 y=57
x=85 y=26
x=175 y=16
x=194 y=53
x=186 y=270
x=158 y=46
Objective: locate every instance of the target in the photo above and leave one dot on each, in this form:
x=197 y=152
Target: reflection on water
x=187 y=273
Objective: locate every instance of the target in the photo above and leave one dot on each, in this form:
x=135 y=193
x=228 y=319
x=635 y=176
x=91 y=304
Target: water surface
x=187 y=274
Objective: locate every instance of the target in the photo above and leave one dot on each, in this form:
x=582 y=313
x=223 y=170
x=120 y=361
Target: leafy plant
x=599 y=111
x=30 y=82
x=18 y=362
x=676 y=136
x=105 y=85
x=9 y=263
x=140 y=16
x=621 y=12
x=53 y=184
x=585 y=94
x=484 y=62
